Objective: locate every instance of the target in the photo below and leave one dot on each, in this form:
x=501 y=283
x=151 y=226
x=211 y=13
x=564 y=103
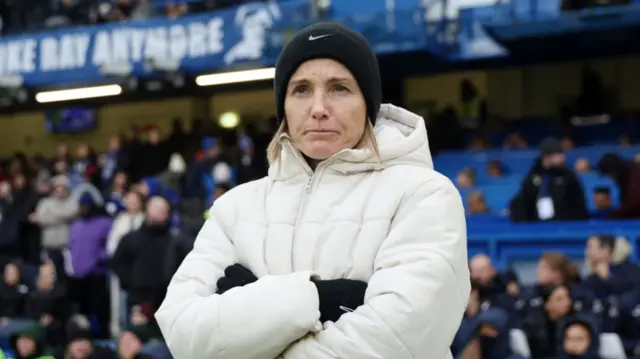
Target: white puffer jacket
x=396 y=224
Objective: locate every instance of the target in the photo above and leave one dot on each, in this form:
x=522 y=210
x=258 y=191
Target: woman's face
x=559 y=303
x=324 y=108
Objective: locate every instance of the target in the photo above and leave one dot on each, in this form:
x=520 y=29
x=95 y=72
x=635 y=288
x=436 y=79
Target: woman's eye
x=300 y=89
x=340 y=88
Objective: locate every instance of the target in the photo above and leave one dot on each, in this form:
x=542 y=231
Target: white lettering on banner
x=178 y=41
x=65 y=53
x=18 y=56
x=76 y=50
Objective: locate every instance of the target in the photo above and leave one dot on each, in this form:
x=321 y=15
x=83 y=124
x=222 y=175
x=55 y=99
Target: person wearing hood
x=87 y=260
x=54 y=214
x=485 y=336
x=581 y=339
x=352 y=247
x=551 y=190
x=626 y=174
x=79 y=343
x=30 y=343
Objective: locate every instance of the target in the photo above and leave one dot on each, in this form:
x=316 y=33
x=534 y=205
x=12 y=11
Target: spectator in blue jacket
x=484 y=336
x=612 y=272
x=581 y=339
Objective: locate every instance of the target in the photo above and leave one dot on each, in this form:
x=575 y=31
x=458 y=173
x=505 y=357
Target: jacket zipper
x=303 y=203
x=308 y=188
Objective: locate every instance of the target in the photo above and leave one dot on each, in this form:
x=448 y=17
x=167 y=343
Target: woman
x=124 y=223
x=544 y=319
x=352 y=246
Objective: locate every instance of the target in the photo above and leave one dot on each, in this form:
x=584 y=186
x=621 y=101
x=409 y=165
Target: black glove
x=235 y=276
x=338 y=296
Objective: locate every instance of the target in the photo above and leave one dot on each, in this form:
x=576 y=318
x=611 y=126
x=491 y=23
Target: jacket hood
x=594 y=348
x=35 y=332
x=498 y=347
x=402 y=140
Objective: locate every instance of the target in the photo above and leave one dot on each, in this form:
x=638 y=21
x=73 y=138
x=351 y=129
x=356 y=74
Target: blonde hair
x=274 y=149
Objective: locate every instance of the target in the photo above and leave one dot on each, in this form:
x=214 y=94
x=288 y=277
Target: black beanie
x=330 y=40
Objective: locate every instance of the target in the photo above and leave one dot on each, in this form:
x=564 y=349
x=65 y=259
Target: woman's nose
x=318 y=107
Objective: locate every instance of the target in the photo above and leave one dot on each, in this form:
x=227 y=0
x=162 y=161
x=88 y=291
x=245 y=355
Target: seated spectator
x=495 y=169
x=543 y=321
x=551 y=191
x=582 y=166
x=30 y=343
x=603 y=202
x=476 y=203
x=515 y=141
x=493 y=289
x=484 y=336
x=581 y=339
x=554 y=269
x=611 y=271
x=12 y=301
x=466 y=178
x=626 y=174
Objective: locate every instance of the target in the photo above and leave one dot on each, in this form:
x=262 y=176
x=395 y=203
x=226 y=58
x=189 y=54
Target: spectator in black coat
x=48 y=303
x=147 y=258
x=543 y=322
x=551 y=190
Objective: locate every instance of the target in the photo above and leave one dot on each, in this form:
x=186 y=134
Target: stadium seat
x=519 y=343
x=611 y=346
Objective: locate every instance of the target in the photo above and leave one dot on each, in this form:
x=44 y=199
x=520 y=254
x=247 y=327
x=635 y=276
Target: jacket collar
x=402 y=140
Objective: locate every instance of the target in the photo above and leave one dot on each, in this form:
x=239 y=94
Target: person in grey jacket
x=54 y=214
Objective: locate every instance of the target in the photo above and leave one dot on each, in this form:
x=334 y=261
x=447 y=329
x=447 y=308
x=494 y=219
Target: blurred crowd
x=89 y=242
x=563 y=314
x=552 y=177
x=36 y=15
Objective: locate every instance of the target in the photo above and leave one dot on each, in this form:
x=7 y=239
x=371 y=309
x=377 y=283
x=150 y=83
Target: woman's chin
x=320 y=152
